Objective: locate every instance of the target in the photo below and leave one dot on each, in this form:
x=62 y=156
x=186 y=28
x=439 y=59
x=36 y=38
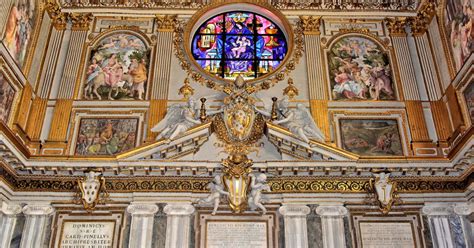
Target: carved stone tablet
x=87 y=234
x=386 y=235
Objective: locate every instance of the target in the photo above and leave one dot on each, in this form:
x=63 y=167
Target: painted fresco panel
x=19 y=29
x=7 y=94
x=458 y=25
x=371 y=137
x=359 y=69
x=106 y=136
x=469 y=98
x=118 y=69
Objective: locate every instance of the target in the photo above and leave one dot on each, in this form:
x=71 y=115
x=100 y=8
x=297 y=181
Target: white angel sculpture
x=217 y=191
x=300 y=122
x=257 y=185
x=178 y=120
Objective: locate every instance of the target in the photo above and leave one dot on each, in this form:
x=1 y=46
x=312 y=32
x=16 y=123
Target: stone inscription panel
x=87 y=234
x=230 y=234
x=386 y=235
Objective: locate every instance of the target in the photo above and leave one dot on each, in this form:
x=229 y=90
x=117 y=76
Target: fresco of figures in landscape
x=118 y=69
x=19 y=29
x=106 y=136
x=7 y=94
x=459 y=22
x=239 y=43
x=371 y=137
x=359 y=69
x=469 y=97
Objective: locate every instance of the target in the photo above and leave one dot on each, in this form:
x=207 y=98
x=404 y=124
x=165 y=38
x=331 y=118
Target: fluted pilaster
x=332 y=220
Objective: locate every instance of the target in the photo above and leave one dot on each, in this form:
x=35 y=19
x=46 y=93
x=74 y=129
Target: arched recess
x=118 y=64
x=360 y=67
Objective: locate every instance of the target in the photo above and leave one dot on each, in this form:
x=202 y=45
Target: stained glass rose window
x=239 y=43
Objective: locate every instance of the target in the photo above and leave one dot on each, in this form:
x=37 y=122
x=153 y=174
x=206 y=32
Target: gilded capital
x=420 y=23
x=396 y=26
x=165 y=22
x=81 y=21
x=310 y=24
x=58 y=18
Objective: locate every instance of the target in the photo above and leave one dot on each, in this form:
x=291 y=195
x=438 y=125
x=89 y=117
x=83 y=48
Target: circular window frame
x=264 y=10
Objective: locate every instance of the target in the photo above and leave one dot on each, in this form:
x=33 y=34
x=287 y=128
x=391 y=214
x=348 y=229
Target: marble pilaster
x=296 y=232
x=463 y=210
x=445 y=228
x=332 y=220
x=35 y=226
x=8 y=215
x=178 y=227
x=141 y=229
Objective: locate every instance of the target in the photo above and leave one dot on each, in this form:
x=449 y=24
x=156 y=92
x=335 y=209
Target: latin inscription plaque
x=87 y=234
x=386 y=235
x=238 y=234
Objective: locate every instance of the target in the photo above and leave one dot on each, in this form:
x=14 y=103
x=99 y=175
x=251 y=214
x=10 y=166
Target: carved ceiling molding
x=198 y=184
x=331 y=5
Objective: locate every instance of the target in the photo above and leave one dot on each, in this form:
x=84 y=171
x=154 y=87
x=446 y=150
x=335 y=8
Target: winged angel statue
x=298 y=120
x=178 y=120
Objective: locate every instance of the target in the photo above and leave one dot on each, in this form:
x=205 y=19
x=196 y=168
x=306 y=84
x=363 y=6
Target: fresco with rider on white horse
x=359 y=69
x=118 y=69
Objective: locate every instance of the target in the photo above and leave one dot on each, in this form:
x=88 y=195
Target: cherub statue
x=178 y=120
x=217 y=190
x=300 y=122
x=257 y=185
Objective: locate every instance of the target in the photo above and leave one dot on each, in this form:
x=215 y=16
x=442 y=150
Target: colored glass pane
x=207 y=46
x=244 y=43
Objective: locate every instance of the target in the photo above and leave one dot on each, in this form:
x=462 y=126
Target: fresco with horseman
x=359 y=69
x=106 y=136
x=118 y=69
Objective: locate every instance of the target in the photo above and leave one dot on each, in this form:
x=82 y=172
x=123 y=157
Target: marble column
x=178 y=228
x=439 y=223
x=8 y=214
x=141 y=229
x=463 y=210
x=296 y=231
x=332 y=221
x=35 y=225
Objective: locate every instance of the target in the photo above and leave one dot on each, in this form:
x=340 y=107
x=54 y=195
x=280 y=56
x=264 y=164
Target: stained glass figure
x=244 y=44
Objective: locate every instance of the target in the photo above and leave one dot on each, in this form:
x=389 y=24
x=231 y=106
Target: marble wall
x=439 y=226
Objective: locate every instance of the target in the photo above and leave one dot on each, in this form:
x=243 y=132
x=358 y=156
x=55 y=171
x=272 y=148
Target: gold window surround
x=182 y=44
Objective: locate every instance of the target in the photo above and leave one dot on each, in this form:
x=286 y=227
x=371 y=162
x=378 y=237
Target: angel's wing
x=173 y=116
x=316 y=132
